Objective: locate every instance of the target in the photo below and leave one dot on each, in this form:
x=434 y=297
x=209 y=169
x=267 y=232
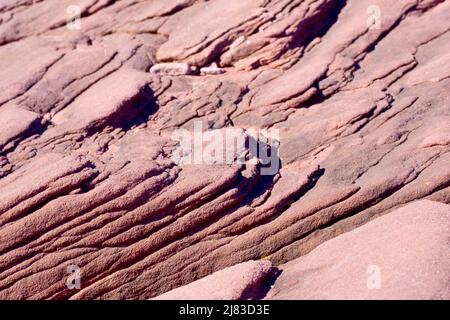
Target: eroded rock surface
x=402 y=255
x=87 y=173
x=242 y=281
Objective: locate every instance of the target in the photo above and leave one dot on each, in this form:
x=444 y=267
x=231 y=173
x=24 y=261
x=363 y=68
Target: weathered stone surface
x=402 y=255
x=87 y=134
x=242 y=281
x=16 y=123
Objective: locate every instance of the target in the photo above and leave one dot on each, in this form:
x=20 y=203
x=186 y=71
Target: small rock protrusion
x=212 y=69
x=172 y=69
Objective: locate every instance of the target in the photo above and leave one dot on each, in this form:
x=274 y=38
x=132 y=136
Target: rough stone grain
x=87 y=169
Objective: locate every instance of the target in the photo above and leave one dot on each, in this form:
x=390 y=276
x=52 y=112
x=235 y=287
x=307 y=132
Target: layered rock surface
x=247 y=280
x=87 y=174
x=402 y=255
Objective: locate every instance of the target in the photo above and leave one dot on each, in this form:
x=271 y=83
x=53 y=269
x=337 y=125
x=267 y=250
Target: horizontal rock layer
x=402 y=255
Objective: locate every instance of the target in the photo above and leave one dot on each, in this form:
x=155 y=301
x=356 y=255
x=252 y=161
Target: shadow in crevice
x=38 y=127
x=282 y=207
x=270 y=167
x=145 y=106
x=266 y=284
x=317 y=25
x=132 y=113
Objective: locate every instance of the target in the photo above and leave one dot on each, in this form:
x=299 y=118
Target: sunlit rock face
x=147 y=144
x=400 y=255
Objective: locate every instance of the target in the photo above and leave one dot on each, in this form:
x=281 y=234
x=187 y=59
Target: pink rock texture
x=92 y=92
x=402 y=255
x=242 y=281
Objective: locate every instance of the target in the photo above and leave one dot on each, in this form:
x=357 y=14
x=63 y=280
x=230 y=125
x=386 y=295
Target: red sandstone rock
x=87 y=173
x=404 y=254
x=401 y=255
x=242 y=281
